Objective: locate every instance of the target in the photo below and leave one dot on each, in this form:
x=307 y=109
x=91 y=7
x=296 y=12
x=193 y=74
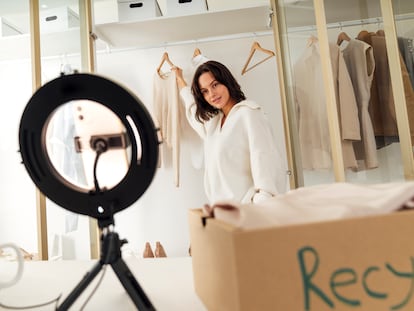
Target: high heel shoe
x=148 y=251
x=159 y=250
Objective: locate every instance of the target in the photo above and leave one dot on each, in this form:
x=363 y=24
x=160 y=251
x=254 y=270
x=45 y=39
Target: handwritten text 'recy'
x=309 y=263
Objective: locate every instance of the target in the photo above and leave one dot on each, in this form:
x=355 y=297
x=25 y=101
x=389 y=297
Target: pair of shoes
x=159 y=250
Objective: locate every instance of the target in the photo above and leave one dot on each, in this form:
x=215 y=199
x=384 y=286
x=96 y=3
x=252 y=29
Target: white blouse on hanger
x=166 y=107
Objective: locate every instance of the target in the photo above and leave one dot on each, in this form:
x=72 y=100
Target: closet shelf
x=18 y=47
x=147 y=33
x=164 y=30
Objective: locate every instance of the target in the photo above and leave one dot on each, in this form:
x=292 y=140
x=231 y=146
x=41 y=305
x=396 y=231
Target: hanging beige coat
x=312 y=113
x=359 y=59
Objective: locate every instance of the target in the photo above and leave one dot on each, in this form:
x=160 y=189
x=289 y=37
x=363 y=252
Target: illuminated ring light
x=134 y=117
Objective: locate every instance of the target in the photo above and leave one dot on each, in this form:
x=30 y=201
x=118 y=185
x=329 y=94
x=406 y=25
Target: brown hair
x=223 y=75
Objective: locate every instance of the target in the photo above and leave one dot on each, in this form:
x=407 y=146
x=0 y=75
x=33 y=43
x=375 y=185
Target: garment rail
x=367 y=21
x=189 y=42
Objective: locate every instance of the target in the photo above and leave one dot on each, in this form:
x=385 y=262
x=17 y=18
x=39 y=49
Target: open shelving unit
x=164 y=30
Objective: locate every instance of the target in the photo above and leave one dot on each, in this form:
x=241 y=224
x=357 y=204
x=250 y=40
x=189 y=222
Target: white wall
x=17 y=194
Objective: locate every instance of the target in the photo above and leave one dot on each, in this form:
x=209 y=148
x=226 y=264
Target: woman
x=241 y=160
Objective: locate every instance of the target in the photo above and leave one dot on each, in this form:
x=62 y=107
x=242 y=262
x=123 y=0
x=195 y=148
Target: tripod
x=111 y=254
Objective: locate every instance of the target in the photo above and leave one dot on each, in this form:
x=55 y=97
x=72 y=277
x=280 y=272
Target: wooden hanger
x=165 y=59
x=256 y=47
x=363 y=35
x=311 y=40
x=380 y=32
x=342 y=37
x=196 y=52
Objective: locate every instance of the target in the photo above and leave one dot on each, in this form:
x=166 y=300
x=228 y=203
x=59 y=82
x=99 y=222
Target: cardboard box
x=364 y=263
x=129 y=10
x=185 y=7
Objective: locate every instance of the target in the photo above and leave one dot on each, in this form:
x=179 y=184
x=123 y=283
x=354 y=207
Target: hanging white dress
x=166 y=107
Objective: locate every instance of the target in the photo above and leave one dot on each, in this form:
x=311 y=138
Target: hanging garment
x=359 y=59
x=166 y=107
x=198 y=60
x=382 y=107
x=406 y=46
x=311 y=108
x=62 y=149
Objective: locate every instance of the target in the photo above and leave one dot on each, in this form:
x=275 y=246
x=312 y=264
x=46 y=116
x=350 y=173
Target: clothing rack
x=367 y=21
x=196 y=41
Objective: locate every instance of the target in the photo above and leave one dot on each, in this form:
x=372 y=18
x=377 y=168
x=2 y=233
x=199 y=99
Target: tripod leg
x=82 y=285
x=132 y=286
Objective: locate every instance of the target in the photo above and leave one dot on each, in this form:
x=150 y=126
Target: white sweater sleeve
x=190 y=111
x=265 y=160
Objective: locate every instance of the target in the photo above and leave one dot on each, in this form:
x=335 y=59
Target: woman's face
x=215 y=93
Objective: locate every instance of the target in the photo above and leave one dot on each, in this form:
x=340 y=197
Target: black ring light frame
x=101 y=205
x=32 y=133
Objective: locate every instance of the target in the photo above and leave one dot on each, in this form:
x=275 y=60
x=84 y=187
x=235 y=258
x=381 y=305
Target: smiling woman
x=241 y=159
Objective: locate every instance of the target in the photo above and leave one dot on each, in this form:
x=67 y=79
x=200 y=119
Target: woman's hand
x=179 y=77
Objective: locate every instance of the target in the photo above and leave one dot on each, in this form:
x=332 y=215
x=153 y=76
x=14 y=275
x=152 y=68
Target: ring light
x=137 y=135
x=133 y=116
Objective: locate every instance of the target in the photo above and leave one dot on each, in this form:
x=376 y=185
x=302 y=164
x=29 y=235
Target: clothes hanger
x=312 y=39
x=256 y=47
x=196 y=52
x=380 y=32
x=165 y=59
x=343 y=36
x=364 y=35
